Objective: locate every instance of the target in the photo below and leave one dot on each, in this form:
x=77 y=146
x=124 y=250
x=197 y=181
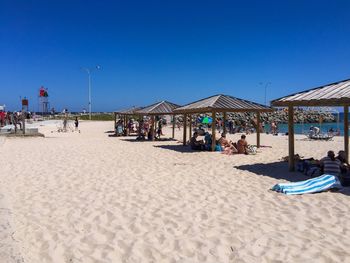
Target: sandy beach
x=86 y=197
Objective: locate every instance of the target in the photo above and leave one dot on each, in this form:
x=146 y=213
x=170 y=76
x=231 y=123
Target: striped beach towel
x=314 y=185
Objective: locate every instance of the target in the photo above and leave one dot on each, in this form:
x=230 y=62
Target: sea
x=300 y=128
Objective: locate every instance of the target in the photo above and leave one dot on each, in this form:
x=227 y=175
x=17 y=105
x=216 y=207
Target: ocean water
x=304 y=128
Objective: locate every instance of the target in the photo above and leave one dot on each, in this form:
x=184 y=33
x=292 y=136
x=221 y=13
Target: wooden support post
x=258 y=129
x=291 y=138
x=213 y=131
x=346 y=131
x=185 y=128
x=153 y=128
x=173 y=133
x=190 y=126
x=224 y=122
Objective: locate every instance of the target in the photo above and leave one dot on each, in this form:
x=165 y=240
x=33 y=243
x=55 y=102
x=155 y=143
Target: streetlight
x=88 y=71
x=265 y=90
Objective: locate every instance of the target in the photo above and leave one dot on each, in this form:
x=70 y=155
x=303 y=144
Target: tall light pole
x=88 y=71
x=265 y=90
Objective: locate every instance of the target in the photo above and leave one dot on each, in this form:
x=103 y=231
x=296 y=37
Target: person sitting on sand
x=223 y=141
x=330 y=165
x=226 y=145
x=196 y=145
x=207 y=141
x=344 y=164
x=242 y=145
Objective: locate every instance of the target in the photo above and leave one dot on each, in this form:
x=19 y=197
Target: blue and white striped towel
x=314 y=185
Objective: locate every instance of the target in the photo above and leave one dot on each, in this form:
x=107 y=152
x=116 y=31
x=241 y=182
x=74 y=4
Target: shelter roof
x=222 y=103
x=159 y=108
x=129 y=111
x=334 y=94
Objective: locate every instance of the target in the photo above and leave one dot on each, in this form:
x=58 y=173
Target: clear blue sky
x=175 y=50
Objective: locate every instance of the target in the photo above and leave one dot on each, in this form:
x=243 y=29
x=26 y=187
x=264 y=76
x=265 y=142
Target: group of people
x=223 y=144
x=331 y=164
x=123 y=128
x=143 y=128
x=11 y=118
x=334 y=165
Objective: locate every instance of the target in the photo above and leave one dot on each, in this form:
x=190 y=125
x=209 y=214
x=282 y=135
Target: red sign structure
x=43 y=100
x=43 y=92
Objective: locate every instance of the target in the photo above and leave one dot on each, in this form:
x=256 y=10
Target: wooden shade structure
x=336 y=94
x=223 y=104
x=159 y=108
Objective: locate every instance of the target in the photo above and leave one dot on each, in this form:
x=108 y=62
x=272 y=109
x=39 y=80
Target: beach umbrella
x=206 y=120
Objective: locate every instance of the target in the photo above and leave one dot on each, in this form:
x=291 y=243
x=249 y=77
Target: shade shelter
x=125 y=114
x=336 y=94
x=160 y=108
x=223 y=104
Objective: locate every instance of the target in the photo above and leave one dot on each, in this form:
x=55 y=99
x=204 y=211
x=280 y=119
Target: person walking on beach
x=76 y=124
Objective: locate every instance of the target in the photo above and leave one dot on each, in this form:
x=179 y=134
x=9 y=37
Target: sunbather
x=226 y=145
x=242 y=145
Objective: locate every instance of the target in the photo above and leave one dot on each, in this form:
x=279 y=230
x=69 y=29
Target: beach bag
x=313 y=171
x=252 y=149
x=345 y=179
x=218 y=148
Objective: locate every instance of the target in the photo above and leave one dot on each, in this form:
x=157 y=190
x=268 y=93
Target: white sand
x=86 y=197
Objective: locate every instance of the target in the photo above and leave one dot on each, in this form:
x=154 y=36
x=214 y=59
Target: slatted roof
x=129 y=111
x=334 y=94
x=222 y=103
x=159 y=108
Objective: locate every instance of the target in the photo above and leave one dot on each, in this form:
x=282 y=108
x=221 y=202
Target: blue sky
x=180 y=51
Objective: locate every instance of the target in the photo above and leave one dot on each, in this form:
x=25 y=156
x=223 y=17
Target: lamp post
x=88 y=71
x=265 y=90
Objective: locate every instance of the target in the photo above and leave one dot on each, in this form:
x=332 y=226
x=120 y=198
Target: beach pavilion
x=159 y=108
x=331 y=95
x=220 y=104
x=125 y=115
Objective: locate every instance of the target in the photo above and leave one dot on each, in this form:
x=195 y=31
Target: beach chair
x=320 y=137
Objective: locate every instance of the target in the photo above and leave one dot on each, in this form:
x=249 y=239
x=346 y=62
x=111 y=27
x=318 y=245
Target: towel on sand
x=314 y=185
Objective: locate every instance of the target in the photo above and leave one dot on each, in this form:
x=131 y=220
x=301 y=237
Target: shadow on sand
x=279 y=170
x=158 y=140
x=177 y=148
